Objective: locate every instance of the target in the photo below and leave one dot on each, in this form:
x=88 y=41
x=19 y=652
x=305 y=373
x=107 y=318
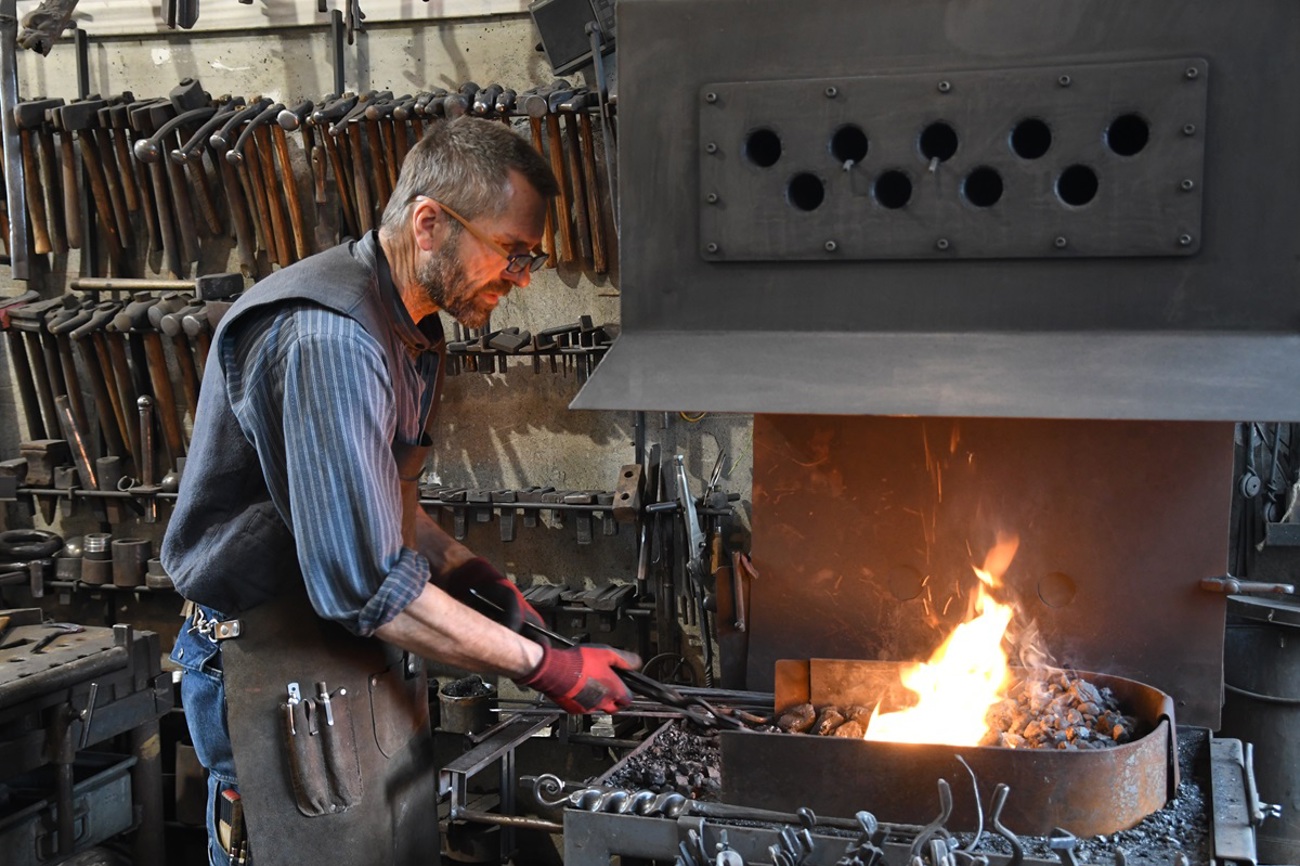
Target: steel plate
x=825 y=194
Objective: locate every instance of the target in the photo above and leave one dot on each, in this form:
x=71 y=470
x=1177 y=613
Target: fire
x=964 y=677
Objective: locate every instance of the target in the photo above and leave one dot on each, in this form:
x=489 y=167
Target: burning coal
x=1053 y=710
x=966 y=694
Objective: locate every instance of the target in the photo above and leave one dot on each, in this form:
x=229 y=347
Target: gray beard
x=443 y=279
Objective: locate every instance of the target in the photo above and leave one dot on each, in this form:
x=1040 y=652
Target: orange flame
x=964 y=677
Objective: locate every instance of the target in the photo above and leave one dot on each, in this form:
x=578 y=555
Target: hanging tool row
x=578 y=346
x=532 y=505
x=140 y=360
x=166 y=174
x=124 y=353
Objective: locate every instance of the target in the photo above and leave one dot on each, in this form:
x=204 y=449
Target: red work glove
x=583 y=679
x=500 y=599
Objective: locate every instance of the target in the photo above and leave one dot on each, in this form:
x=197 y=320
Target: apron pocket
x=323 y=762
x=399 y=708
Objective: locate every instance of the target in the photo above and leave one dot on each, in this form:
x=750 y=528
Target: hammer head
x=534 y=101
x=216 y=287
x=292 y=117
x=188 y=95
x=79 y=115
x=31 y=114
x=138 y=115
x=160 y=112
x=557 y=98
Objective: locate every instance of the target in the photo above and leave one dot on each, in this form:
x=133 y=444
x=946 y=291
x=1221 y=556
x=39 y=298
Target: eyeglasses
x=516 y=263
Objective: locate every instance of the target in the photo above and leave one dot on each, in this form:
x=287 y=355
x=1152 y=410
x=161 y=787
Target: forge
x=1090 y=792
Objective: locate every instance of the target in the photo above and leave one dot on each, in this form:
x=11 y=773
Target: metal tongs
x=693 y=707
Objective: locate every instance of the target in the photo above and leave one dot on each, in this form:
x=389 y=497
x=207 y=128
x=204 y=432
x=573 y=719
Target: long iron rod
x=14 y=178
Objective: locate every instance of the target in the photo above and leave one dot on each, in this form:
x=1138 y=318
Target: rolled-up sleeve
x=316 y=401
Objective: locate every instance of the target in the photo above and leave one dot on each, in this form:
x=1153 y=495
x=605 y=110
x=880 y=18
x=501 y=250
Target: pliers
x=693 y=707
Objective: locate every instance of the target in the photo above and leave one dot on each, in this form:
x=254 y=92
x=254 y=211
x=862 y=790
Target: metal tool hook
x=979 y=810
x=1000 y=794
x=937 y=827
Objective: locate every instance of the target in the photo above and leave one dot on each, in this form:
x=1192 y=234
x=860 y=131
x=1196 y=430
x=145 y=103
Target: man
x=315 y=581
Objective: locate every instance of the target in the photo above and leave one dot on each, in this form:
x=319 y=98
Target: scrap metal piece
x=43 y=26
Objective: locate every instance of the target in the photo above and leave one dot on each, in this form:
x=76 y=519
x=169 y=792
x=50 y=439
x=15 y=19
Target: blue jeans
x=203 y=695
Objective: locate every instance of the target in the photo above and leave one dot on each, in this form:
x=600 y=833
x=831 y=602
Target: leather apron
x=359 y=790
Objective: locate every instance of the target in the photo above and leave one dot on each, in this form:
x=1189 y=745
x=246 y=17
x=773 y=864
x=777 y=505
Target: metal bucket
x=1261 y=673
x=465 y=705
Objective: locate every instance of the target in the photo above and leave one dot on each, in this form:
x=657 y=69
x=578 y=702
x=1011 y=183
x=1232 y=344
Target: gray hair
x=465 y=164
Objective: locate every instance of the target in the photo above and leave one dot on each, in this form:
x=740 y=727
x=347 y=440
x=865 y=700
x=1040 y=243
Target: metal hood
x=1007 y=208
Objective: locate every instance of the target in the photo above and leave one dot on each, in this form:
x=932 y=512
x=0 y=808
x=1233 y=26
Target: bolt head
x=1187 y=184
x=1191 y=72
x=711 y=248
x=711 y=198
x=711 y=147
x=941 y=244
x=1185 y=240
x=710 y=97
x=832 y=92
x=945 y=86
x=1189 y=129
x=1060 y=243
x=831 y=246
x=1064 y=81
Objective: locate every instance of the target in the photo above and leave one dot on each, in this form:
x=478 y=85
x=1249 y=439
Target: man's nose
x=520 y=279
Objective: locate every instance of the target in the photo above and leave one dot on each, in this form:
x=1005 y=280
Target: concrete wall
x=509 y=430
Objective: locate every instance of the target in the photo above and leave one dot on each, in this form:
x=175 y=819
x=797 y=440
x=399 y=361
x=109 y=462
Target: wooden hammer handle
x=275 y=204
x=548 y=231
x=291 y=192
x=50 y=180
x=555 y=144
x=599 y=260
x=103 y=205
x=71 y=191
x=34 y=194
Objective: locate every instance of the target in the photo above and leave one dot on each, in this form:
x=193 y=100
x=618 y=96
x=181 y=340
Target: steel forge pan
x=1088 y=793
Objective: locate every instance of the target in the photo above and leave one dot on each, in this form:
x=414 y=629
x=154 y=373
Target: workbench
x=65 y=689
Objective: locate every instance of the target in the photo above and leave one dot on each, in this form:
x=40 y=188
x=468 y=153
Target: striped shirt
x=313 y=395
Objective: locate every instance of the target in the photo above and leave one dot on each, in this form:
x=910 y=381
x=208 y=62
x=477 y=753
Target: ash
x=1182 y=826
x=677 y=760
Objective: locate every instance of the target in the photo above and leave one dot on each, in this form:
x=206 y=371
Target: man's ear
x=426 y=219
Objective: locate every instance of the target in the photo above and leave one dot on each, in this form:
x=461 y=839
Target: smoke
x=1031 y=648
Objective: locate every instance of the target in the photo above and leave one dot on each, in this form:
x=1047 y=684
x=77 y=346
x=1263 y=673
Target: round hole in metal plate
x=806 y=191
x=849 y=144
x=1077 y=185
x=938 y=141
x=1057 y=589
x=904 y=582
x=763 y=148
x=893 y=189
x=982 y=187
x=1128 y=134
x=1031 y=138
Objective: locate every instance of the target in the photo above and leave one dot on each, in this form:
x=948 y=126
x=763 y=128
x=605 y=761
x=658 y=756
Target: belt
x=213 y=629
